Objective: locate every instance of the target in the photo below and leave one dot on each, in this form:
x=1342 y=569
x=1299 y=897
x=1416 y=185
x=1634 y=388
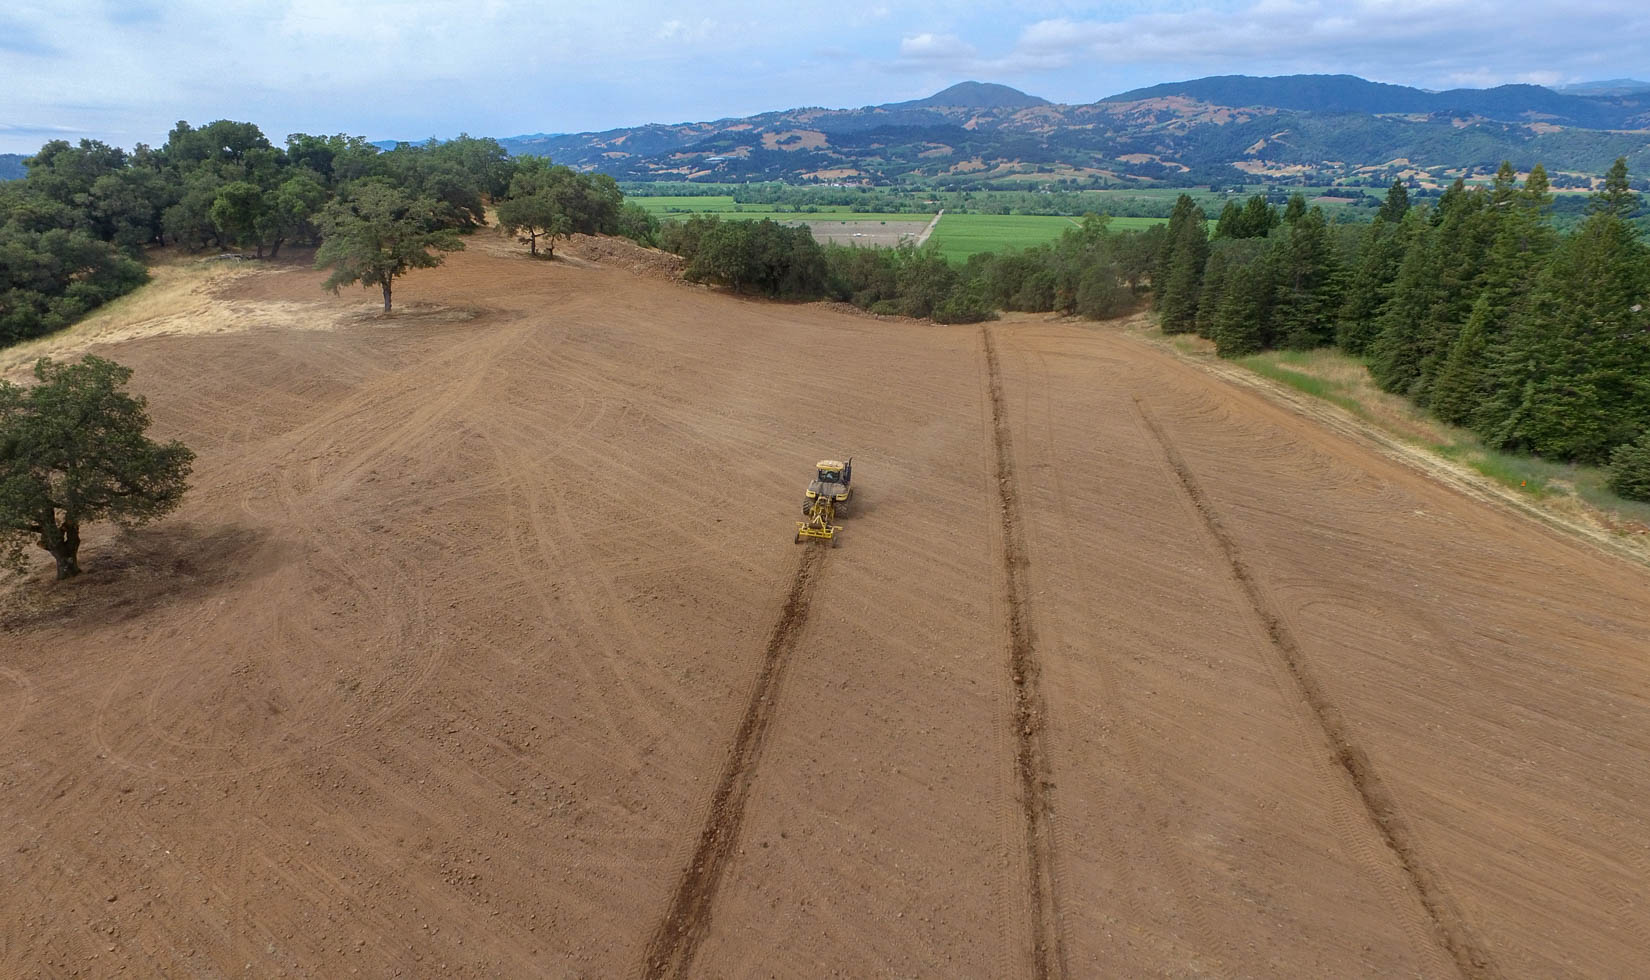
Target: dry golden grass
x=189 y=296
x=179 y=292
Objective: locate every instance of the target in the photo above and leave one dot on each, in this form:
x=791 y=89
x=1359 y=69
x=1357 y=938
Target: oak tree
x=377 y=235
x=73 y=450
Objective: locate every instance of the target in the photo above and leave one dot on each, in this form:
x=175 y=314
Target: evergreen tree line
x=76 y=227
x=1087 y=272
x=1473 y=307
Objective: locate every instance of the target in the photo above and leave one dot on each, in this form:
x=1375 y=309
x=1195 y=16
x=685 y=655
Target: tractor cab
x=831 y=479
x=831 y=471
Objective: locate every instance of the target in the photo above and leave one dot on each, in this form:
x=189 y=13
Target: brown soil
x=482 y=648
x=878 y=233
x=622 y=254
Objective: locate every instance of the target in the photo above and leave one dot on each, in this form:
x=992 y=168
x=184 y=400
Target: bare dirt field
x=884 y=234
x=482 y=648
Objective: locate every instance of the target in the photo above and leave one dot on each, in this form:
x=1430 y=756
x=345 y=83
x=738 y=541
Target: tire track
x=670 y=952
x=1146 y=790
x=1031 y=761
x=24 y=698
x=1448 y=924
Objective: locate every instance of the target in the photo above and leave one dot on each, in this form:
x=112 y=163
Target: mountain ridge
x=1608 y=86
x=1349 y=93
x=976 y=95
x=1220 y=129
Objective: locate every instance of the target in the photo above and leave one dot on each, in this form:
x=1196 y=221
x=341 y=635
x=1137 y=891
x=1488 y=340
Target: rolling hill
x=1350 y=94
x=979 y=95
x=1609 y=86
x=1220 y=129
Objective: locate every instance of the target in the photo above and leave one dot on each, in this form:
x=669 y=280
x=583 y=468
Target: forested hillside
x=1348 y=93
x=1474 y=307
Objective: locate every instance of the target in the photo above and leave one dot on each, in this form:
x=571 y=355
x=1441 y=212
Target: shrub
x=1630 y=469
x=966 y=304
x=1100 y=296
x=639 y=225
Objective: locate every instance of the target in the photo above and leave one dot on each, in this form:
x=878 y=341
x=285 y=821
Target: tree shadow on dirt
x=135 y=571
x=412 y=314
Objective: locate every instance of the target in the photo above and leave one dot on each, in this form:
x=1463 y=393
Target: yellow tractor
x=827 y=494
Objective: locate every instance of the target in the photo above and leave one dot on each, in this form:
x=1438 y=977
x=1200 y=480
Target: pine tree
x=1307 y=284
x=1465 y=388
x=1630 y=469
x=1230 y=224
x=1259 y=218
x=1397 y=203
x=1457 y=393
x=1214 y=291
x=1369 y=287
x=1617 y=198
x=1242 y=324
x=1504 y=189
x=1183 y=207
x=1573 y=377
x=1537 y=190
x=1466 y=227
x=1296 y=209
x=1396 y=351
x=1185 y=252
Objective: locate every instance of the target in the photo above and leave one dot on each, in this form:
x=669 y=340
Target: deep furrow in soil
x=1031 y=762
x=670 y=951
x=1449 y=925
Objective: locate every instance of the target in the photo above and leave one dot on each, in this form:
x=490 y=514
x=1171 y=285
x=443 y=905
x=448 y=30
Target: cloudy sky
x=125 y=70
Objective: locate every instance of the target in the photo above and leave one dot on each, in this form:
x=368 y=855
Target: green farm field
x=958 y=236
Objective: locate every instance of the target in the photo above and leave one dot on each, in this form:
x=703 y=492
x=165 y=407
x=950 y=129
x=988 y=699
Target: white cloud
x=1411 y=41
x=125 y=70
x=32 y=132
x=677 y=30
x=935 y=47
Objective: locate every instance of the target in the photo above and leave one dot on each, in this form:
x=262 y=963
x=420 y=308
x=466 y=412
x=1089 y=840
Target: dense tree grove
x=75 y=228
x=1473 y=307
x=1087 y=272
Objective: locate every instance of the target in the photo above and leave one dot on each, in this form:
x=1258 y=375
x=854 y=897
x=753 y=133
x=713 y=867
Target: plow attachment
x=820 y=516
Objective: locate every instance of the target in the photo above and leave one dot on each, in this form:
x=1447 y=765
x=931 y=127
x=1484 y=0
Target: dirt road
x=482 y=648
